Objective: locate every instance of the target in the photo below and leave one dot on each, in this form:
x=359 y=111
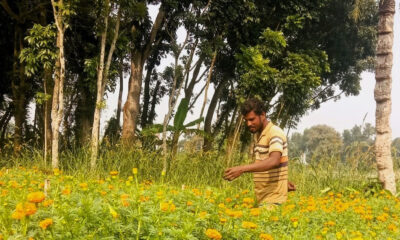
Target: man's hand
x=232 y=173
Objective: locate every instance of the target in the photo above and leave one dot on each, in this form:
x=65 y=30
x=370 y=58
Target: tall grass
x=199 y=169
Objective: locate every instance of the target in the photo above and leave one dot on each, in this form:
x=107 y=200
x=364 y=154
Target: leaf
x=191 y=124
x=325 y=190
x=181 y=113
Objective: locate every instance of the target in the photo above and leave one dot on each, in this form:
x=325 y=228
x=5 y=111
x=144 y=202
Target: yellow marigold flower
x=134 y=171
x=265 y=236
x=36 y=197
x=339 y=235
x=255 y=212
x=164 y=206
x=114 y=173
x=83 y=185
x=248 y=200
x=223 y=220
x=213 y=234
x=18 y=215
x=203 y=214
x=294 y=219
x=249 y=225
x=66 y=191
x=144 y=198
x=392 y=227
x=125 y=203
x=189 y=203
x=124 y=196
x=163 y=173
x=48 y=203
x=330 y=223
x=46 y=223
x=29 y=208
x=172 y=207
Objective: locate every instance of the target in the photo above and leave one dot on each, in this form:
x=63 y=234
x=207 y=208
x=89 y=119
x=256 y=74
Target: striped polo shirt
x=271 y=186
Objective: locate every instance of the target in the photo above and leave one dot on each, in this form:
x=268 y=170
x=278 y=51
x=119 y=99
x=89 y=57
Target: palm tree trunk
x=383 y=88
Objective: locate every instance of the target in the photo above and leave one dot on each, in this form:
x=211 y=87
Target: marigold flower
x=66 y=191
x=114 y=173
x=83 y=185
x=125 y=203
x=265 y=236
x=134 y=171
x=248 y=200
x=29 y=208
x=213 y=234
x=255 y=212
x=36 y=197
x=249 y=225
x=18 y=215
x=189 y=203
x=46 y=223
x=223 y=220
x=48 y=203
x=392 y=227
x=202 y=214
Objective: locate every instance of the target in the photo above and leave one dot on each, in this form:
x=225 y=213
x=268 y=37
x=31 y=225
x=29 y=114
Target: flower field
x=37 y=205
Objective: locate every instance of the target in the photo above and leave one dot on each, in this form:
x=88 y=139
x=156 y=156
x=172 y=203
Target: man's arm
x=273 y=161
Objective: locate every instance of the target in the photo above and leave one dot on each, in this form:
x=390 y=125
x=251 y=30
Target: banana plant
x=178 y=128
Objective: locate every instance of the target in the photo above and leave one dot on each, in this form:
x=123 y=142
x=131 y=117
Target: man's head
x=253 y=111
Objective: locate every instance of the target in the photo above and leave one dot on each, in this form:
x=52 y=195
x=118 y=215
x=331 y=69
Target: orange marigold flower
x=213 y=234
x=36 y=197
x=125 y=203
x=46 y=223
x=255 y=212
x=66 y=191
x=48 y=203
x=29 y=208
x=114 y=173
x=265 y=236
x=189 y=203
x=18 y=215
x=249 y=225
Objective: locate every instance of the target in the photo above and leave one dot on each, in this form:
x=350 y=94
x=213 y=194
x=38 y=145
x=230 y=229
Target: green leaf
x=191 y=124
x=181 y=113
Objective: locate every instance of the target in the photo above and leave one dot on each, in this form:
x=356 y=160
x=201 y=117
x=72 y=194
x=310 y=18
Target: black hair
x=253 y=104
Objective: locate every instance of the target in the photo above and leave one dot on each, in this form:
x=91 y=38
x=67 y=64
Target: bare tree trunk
x=146 y=95
x=131 y=107
x=47 y=113
x=383 y=87
x=121 y=89
x=102 y=77
x=57 y=107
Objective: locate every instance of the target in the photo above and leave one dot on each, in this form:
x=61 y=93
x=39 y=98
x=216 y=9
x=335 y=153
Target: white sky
x=341 y=114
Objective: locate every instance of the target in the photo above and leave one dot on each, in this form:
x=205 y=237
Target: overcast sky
x=341 y=114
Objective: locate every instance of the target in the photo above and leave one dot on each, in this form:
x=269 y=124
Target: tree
x=102 y=76
x=383 y=88
x=61 y=10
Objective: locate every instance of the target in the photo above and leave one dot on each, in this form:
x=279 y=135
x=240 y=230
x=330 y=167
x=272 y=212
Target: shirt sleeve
x=277 y=141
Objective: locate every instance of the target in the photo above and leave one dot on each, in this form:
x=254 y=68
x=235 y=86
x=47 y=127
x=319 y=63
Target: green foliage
x=270 y=71
x=41 y=51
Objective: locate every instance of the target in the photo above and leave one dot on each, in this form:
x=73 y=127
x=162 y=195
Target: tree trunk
x=146 y=96
x=383 y=87
x=57 y=107
x=99 y=96
x=47 y=113
x=207 y=85
x=5 y=119
x=210 y=114
x=101 y=84
x=132 y=104
x=18 y=86
x=138 y=57
x=152 y=113
x=121 y=89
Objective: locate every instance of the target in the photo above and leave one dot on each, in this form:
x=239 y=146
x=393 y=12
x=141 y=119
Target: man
x=270 y=169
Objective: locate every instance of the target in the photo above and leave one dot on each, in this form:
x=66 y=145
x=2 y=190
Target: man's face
x=254 y=122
